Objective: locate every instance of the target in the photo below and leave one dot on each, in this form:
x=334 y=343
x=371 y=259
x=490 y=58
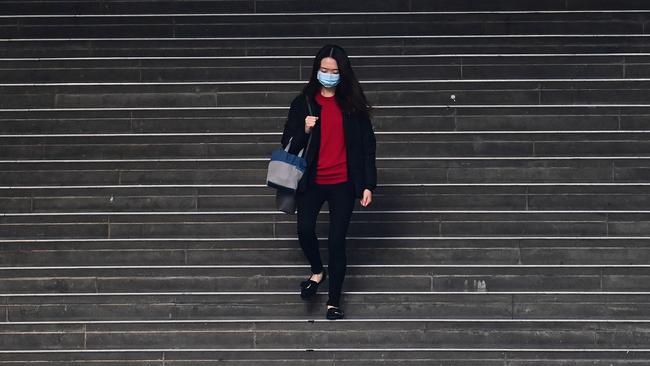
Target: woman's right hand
x=310 y=122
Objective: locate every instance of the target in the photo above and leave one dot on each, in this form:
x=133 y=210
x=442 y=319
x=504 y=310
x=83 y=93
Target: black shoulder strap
x=311 y=133
x=311 y=113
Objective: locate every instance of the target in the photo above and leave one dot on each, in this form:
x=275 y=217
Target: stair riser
x=284 y=47
x=384 y=201
x=212 y=96
x=385 y=149
x=356 y=306
x=251 y=6
x=290 y=69
x=337 y=335
x=357 y=279
x=389 y=172
x=327 y=358
x=384 y=120
x=90 y=229
x=162 y=27
x=460 y=256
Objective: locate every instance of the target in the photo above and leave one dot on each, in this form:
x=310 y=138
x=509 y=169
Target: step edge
x=364 y=293
x=254 y=266
x=352 y=13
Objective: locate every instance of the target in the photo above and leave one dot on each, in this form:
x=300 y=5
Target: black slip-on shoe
x=334 y=313
x=309 y=288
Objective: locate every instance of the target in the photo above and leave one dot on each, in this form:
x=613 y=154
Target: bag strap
x=308 y=105
x=288 y=144
x=311 y=114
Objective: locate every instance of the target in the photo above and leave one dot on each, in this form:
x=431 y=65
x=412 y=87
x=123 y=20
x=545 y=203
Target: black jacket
x=360 y=145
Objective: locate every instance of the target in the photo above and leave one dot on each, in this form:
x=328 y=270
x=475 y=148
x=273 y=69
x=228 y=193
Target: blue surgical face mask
x=328 y=80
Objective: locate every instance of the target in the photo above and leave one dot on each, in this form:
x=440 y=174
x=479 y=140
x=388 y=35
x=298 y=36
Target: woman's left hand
x=367 y=197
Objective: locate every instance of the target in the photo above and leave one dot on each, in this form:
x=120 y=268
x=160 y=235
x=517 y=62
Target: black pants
x=340 y=199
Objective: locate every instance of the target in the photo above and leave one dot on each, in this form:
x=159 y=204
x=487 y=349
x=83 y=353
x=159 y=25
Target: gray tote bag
x=285 y=171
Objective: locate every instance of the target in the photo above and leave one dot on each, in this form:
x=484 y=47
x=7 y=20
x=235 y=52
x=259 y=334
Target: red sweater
x=332 y=161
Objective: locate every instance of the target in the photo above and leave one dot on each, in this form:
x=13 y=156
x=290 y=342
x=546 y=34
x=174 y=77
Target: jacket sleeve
x=295 y=127
x=369 y=154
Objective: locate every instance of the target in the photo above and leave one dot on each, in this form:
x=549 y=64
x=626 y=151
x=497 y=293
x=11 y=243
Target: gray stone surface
x=510 y=222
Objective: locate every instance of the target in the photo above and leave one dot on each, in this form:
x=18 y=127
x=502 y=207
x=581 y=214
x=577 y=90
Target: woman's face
x=329 y=65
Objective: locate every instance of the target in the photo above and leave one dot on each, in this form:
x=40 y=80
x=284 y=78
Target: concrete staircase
x=510 y=226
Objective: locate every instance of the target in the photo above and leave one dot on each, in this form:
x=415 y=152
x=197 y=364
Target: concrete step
x=303 y=334
x=276 y=224
x=433 y=118
x=452 y=278
x=389 y=144
x=390 y=171
x=291 y=6
x=446 y=93
x=363 y=45
x=39 y=7
x=360 y=251
x=357 y=305
x=299 y=68
x=324 y=25
x=189 y=120
x=325 y=356
x=246 y=198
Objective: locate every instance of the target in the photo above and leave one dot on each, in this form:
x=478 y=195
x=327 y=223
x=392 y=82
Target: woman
x=340 y=164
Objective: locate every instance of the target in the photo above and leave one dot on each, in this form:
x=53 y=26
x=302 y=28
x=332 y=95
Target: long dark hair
x=349 y=94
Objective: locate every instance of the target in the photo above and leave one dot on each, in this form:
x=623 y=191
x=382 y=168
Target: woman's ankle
x=317 y=277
